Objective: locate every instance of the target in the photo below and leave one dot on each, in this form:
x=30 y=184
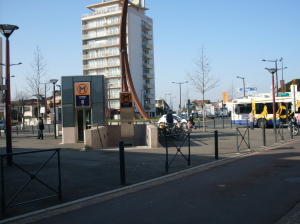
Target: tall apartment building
x=100 y=46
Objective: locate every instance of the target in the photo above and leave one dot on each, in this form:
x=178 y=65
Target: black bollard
x=291 y=129
x=216 y=145
x=122 y=161
x=264 y=134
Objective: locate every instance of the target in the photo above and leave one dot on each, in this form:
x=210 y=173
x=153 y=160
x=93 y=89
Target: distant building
x=100 y=49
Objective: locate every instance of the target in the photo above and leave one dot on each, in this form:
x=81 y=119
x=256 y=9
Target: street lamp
x=282 y=84
x=166 y=98
x=272 y=71
x=171 y=101
x=180 y=83
x=7 y=30
x=53 y=81
x=243 y=84
x=45 y=102
x=276 y=73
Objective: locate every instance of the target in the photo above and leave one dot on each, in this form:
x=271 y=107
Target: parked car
x=2 y=126
x=176 y=119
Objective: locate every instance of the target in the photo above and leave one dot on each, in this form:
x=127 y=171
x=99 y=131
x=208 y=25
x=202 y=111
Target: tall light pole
x=276 y=73
x=180 y=83
x=53 y=81
x=7 y=30
x=282 y=83
x=45 y=99
x=171 y=101
x=272 y=71
x=166 y=98
x=243 y=84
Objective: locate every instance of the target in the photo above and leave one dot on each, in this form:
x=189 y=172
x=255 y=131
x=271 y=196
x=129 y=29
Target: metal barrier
x=169 y=137
x=243 y=138
x=32 y=176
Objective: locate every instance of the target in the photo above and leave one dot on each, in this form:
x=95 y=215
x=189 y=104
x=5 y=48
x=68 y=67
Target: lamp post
x=53 y=81
x=45 y=99
x=171 y=101
x=166 y=98
x=243 y=84
x=282 y=83
x=7 y=30
x=276 y=73
x=272 y=71
x=180 y=83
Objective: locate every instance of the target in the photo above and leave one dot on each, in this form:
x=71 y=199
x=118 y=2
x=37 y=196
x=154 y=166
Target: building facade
x=101 y=55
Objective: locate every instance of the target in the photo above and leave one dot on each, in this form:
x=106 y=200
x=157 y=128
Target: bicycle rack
x=32 y=176
x=243 y=138
x=188 y=159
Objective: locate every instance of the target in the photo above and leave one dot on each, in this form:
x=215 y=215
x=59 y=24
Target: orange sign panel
x=82 y=88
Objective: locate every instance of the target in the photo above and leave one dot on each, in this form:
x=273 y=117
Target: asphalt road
x=260 y=188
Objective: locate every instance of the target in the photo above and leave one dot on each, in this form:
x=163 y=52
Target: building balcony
x=148 y=76
x=147 y=36
x=145 y=65
x=102 y=13
x=148 y=96
x=148 y=56
x=147 y=46
x=146 y=26
x=103 y=55
x=104 y=34
x=148 y=86
x=113 y=64
x=95 y=26
x=99 y=45
x=92 y=66
x=149 y=106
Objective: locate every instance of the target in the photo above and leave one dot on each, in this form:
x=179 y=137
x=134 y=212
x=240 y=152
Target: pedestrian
x=169 y=118
x=251 y=118
x=40 y=127
x=191 y=120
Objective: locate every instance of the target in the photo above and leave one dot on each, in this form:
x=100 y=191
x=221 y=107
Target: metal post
x=216 y=145
x=291 y=129
x=214 y=123
x=264 y=134
x=189 y=145
x=17 y=129
x=59 y=175
x=2 y=186
x=223 y=120
x=248 y=137
x=237 y=140
x=32 y=129
x=54 y=111
x=167 y=159
x=122 y=161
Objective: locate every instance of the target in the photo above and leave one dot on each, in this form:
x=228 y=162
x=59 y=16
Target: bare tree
x=201 y=79
x=37 y=77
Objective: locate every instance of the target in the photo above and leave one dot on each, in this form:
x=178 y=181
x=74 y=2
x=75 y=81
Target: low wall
x=109 y=136
x=96 y=138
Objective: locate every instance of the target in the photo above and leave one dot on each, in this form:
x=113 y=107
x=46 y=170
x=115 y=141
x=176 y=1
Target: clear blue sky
x=236 y=34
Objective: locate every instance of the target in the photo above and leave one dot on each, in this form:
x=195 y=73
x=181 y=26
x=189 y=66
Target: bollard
x=32 y=129
x=223 y=121
x=291 y=129
x=264 y=134
x=189 y=146
x=216 y=145
x=230 y=121
x=237 y=141
x=17 y=129
x=49 y=127
x=122 y=161
x=214 y=123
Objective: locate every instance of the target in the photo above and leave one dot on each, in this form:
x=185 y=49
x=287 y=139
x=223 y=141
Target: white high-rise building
x=100 y=48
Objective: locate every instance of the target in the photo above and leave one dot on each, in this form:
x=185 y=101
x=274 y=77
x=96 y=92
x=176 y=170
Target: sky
x=235 y=34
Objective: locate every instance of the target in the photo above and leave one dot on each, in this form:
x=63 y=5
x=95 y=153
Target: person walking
x=251 y=118
x=40 y=127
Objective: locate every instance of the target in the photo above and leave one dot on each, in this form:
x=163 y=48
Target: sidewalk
x=89 y=174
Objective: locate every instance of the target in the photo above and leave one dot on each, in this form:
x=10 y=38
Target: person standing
x=169 y=118
x=251 y=118
x=40 y=127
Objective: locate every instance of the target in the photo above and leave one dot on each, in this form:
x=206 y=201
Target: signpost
x=82 y=94
x=127 y=114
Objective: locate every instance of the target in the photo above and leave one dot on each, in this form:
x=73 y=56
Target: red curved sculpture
x=125 y=70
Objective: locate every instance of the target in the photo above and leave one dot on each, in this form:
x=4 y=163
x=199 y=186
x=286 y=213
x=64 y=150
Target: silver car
x=176 y=118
